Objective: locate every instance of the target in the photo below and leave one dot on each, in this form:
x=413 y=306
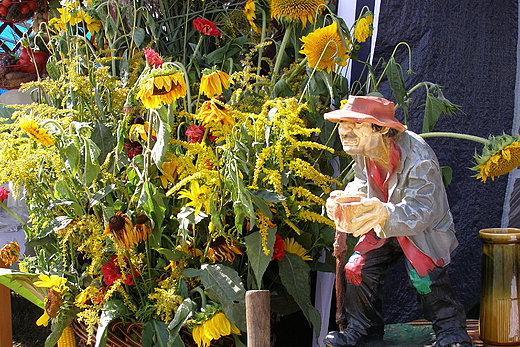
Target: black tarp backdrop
x=468 y=47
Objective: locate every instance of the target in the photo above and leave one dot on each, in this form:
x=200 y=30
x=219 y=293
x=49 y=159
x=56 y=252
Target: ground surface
x=25 y=331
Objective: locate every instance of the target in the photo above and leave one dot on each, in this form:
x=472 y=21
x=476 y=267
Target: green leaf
x=447 y=175
x=73 y=157
x=432 y=111
x=153 y=203
x=171 y=254
x=101 y=194
x=268 y=196
x=57 y=329
x=255 y=252
x=104 y=139
x=294 y=274
x=191 y=272
x=92 y=169
x=224 y=285
x=281 y=89
x=396 y=81
x=139 y=34
x=161 y=145
x=22 y=283
x=184 y=312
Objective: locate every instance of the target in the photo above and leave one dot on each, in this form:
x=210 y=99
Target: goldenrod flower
x=213 y=329
x=250 y=13
x=210 y=112
x=324 y=48
x=363 y=28
x=500 y=156
x=212 y=82
x=31 y=127
x=10 y=252
x=292 y=10
x=221 y=249
x=291 y=246
x=162 y=87
x=198 y=196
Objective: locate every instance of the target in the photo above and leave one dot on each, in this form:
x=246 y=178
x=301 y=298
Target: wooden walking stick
x=340 y=252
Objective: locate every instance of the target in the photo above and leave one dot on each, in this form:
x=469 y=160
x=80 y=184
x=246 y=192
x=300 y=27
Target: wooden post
x=258 y=313
x=6 y=323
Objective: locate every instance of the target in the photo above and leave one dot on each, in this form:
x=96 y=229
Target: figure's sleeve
x=418 y=207
x=358 y=186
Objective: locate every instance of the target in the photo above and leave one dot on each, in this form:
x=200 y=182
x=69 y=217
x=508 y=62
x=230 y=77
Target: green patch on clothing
x=422 y=284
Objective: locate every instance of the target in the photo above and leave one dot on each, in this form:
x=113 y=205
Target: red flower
x=279 y=248
x=206 y=27
x=152 y=58
x=112 y=272
x=196 y=134
x=3 y=194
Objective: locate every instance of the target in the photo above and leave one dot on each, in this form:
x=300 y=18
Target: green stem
x=12 y=213
x=279 y=55
x=457 y=136
x=262 y=39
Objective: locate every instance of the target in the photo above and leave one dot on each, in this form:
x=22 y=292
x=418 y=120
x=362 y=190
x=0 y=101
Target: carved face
x=361 y=138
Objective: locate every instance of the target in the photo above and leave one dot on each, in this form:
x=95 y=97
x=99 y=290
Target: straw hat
x=370 y=109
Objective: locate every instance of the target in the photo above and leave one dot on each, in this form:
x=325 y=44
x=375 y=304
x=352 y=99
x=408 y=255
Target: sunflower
x=211 y=112
x=198 y=196
x=53 y=300
x=162 y=87
x=324 y=48
x=221 y=249
x=250 y=13
x=212 y=82
x=364 y=28
x=31 y=127
x=213 y=329
x=294 y=247
x=292 y=10
x=500 y=156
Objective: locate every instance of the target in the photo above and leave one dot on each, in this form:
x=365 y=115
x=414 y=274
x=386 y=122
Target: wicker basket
x=130 y=335
x=19 y=10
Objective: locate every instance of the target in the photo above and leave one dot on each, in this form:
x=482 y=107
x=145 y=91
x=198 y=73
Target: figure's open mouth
x=349 y=140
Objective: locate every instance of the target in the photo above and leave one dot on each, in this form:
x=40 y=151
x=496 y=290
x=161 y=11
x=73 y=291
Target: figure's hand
x=336 y=197
x=366 y=215
x=357 y=216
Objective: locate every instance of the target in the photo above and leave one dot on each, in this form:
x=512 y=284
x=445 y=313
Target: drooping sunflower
x=291 y=246
x=296 y=10
x=364 y=28
x=324 y=48
x=222 y=249
x=250 y=13
x=162 y=87
x=213 y=81
x=32 y=128
x=212 y=114
x=500 y=156
x=213 y=329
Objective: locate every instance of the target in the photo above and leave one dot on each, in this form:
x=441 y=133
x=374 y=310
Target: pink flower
x=152 y=58
x=196 y=134
x=206 y=27
x=3 y=194
x=279 y=248
x=112 y=272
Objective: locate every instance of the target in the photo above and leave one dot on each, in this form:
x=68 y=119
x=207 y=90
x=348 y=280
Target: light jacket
x=417 y=202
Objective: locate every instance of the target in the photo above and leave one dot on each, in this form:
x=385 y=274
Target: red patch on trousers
x=353 y=269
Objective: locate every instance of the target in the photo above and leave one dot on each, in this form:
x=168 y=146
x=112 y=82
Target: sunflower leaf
x=258 y=259
x=224 y=285
x=294 y=273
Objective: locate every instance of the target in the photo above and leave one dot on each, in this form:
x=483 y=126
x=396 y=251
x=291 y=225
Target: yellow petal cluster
x=250 y=13
x=363 y=28
x=213 y=329
x=212 y=84
x=296 y=10
x=158 y=90
x=324 y=48
x=31 y=127
x=503 y=159
x=291 y=246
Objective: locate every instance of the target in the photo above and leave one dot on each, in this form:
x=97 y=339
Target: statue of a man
x=397 y=205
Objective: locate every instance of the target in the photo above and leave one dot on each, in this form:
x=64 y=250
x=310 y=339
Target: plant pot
x=499 y=304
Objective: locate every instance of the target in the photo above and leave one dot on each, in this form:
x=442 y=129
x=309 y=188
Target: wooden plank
x=6 y=323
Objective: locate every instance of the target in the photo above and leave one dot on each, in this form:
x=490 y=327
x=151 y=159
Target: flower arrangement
x=168 y=173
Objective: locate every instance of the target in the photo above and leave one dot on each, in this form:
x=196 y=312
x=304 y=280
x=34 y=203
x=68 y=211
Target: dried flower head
x=10 y=253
